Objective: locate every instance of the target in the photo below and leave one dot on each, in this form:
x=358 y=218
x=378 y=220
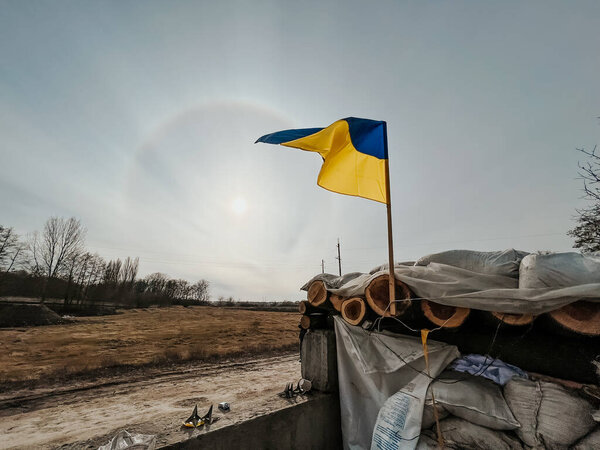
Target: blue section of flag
x=281 y=137
x=368 y=136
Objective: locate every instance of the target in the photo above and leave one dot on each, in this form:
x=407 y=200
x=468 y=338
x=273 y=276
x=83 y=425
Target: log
x=534 y=350
x=378 y=297
x=317 y=293
x=336 y=301
x=306 y=308
x=314 y=321
x=514 y=320
x=581 y=317
x=354 y=310
x=444 y=316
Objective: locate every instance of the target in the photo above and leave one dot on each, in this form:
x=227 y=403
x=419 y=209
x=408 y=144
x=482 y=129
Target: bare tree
x=12 y=250
x=61 y=240
x=587 y=231
x=129 y=271
x=56 y=248
x=200 y=291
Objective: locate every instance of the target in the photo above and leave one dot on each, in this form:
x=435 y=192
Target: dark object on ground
x=23 y=315
x=196 y=421
x=224 y=406
x=301 y=388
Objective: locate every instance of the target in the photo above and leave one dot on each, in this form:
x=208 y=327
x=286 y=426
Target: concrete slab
x=319 y=361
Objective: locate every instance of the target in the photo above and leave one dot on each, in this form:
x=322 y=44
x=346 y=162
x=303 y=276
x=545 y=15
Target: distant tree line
x=54 y=264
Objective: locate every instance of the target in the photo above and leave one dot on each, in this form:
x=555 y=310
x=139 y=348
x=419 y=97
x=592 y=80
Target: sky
x=139 y=118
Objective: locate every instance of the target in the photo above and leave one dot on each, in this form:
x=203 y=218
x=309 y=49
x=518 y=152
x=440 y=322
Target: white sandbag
x=475 y=399
x=125 y=441
x=589 y=442
x=461 y=434
x=427 y=441
x=559 y=270
x=504 y=263
x=550 y=416
x=428 y=419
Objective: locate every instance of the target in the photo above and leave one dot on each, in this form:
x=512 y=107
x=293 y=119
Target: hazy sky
x=139 y=118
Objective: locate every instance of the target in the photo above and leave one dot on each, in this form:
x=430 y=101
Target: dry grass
x=142 y=337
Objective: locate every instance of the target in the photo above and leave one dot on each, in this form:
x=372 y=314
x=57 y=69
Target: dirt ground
x=142 y=337
x=86 y=414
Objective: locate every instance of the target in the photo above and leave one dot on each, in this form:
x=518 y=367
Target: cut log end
x=354 y=310
x=580 y=317
x=444 y=316
x=378 y=296
x=336 y=301
x=317 y=293
x=515 y=320
x=305 y=322
x=302 y=307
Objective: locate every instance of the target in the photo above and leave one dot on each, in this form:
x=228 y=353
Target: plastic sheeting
x=486 y=366
x=125 y=441
x=382 y=383
x=453 y=286
x=505 y=263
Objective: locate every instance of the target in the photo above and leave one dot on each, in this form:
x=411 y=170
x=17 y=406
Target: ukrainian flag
x=354 y=155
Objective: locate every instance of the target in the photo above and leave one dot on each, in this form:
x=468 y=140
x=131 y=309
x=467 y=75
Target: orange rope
x=424 y=334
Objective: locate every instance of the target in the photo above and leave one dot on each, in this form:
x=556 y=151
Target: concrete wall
x=311 y=424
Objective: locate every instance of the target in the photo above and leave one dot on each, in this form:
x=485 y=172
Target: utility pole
x=339 y=258
x=322 y=266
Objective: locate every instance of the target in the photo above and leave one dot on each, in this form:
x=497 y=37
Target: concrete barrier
x=310 y=424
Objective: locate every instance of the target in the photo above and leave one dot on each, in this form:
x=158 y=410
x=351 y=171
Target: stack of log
x=570 y=334
x=580 y=318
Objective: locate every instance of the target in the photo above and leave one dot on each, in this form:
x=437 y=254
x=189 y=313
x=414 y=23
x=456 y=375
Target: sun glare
x=239 y=206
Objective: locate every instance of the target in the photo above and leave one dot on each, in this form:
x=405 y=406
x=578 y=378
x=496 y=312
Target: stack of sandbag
x=559 y=270
x=475 y=413
x=505 y=263
x=550 y=416
x=461 y=434
x=472 y=411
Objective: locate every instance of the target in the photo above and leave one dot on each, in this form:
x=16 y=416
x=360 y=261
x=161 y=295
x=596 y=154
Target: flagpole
x=388 y=196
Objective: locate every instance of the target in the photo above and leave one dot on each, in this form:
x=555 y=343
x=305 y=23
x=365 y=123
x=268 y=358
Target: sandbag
x=589 y=442
x=550 y=416
x=472 y=398
x=461 y=434
x=427 y=441
x=504 y=263
x=428 y=419
x=559 y=270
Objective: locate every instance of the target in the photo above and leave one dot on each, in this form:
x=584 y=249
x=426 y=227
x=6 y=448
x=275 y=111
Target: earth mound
x=28 y=315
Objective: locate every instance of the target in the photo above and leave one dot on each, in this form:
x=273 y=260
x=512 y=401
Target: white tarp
x=382 y=385
x=453 y=286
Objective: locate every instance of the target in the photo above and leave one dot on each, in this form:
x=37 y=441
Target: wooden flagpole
x=388 y=196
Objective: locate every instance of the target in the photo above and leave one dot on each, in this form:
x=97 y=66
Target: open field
x=139 y=337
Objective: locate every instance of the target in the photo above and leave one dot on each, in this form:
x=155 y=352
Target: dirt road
x=86 y=414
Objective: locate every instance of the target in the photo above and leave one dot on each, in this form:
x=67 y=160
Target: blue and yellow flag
x=354 y=155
